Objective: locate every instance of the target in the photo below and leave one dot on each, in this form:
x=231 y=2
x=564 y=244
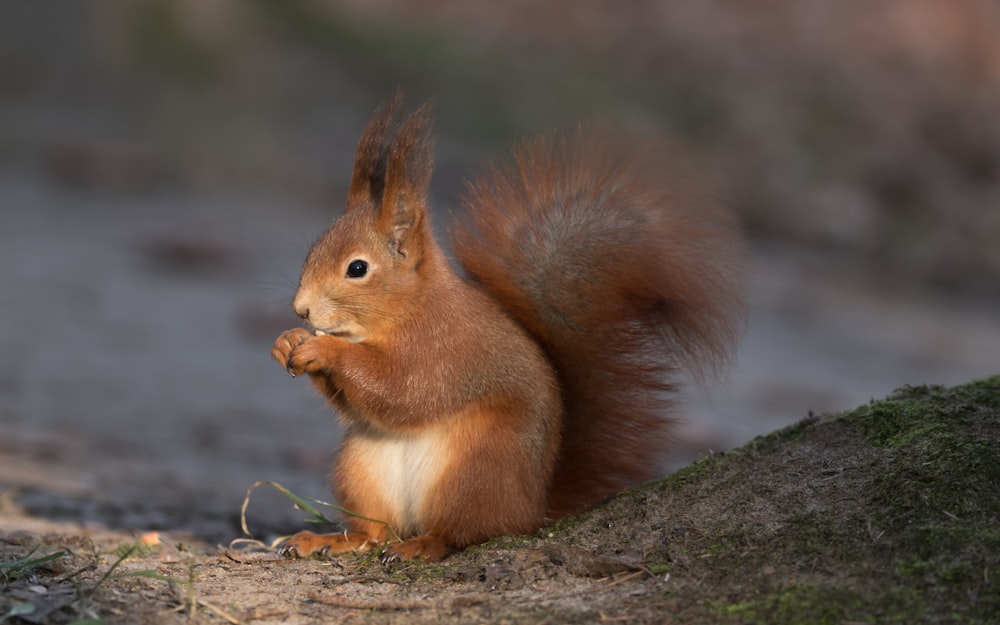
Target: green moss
x=938 y=498
x=659 y=568
x=516 y=541
x=904 y=527
x=914 y=413
x=942 y=459
x=898 y=603
x=797 y=604
x=944 y=463
x=418 y=571
x=695 y=471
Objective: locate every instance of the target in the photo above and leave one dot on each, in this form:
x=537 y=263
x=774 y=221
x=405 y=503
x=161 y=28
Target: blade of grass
x=124 y=554
x=300 y=503
x=17 y=568
x=303 y=503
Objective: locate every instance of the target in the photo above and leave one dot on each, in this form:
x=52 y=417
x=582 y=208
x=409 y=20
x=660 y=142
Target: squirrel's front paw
x=296 y=351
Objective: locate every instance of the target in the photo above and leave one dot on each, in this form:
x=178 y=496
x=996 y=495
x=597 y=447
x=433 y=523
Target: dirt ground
x=883 y=514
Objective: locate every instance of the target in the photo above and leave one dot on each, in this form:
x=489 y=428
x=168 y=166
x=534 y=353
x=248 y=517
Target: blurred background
x=165 y=165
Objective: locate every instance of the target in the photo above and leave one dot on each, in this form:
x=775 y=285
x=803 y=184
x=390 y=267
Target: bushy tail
x=626 y=275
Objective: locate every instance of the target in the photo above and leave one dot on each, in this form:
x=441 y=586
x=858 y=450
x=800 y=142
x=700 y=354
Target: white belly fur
x=405 y=468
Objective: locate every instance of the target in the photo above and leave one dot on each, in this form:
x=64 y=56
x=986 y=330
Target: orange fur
x=475 y=408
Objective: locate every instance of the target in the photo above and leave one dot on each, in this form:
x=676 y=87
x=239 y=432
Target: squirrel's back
x=626 y=274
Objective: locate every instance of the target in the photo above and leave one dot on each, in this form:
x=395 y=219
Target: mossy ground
x=887 y=514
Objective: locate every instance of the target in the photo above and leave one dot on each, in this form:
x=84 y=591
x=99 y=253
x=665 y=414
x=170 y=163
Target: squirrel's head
x=369 y=266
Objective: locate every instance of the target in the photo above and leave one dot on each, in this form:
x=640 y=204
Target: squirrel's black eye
x=357 y=269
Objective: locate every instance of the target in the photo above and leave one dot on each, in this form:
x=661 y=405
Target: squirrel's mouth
x=344 y=334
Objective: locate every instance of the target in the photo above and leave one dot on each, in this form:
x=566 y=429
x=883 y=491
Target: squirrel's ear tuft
x=407 y=176
x=411 y=157
x=368 y=179
x=392 y=170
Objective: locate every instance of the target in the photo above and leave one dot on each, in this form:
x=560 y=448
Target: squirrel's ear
x=407 y=175
x=368 y=179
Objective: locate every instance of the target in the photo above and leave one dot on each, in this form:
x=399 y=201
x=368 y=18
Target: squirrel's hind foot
x=305 y=543
x=428 y=548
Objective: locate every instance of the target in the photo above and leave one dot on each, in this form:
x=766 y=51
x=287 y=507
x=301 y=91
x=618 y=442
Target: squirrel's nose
x=301 y=307
x=303 y=303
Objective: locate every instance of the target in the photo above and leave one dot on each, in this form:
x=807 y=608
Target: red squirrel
x=540 y=384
